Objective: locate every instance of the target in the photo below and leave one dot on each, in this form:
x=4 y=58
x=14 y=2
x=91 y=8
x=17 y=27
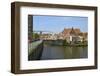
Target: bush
x=36 y=36
x=65 y=42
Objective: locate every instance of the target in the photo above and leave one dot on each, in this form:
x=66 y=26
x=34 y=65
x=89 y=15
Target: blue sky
x=58 y=23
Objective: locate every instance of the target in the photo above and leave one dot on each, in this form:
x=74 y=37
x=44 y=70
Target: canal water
x=63 y=52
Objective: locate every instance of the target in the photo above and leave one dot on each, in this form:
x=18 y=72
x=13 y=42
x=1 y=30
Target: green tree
x=64 y=42
x=36 y=36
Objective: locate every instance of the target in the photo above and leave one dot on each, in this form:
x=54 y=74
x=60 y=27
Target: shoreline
x=69 y=45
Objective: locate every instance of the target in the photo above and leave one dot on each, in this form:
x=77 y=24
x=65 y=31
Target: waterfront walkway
x=33 y=46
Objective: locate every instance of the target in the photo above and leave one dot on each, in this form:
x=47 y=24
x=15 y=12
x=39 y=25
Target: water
x=63 y=52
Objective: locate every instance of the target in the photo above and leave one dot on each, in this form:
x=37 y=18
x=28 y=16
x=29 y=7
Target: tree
x=36 y=36
x=64 y=42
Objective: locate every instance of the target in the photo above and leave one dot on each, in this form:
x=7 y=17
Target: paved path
x=33 y=45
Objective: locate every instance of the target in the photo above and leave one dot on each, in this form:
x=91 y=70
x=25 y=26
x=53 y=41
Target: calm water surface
x=63 y=52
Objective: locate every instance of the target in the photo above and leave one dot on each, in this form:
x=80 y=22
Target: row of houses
x=68 y=34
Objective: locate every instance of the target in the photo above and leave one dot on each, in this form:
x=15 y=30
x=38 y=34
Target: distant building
x=48 y=36
x=45 y=36
x=73 y=35
x=70 y=35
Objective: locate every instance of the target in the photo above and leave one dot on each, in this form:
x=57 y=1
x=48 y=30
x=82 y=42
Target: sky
x=57 y=24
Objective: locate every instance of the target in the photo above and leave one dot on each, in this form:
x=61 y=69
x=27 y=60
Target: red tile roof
x=71 y=30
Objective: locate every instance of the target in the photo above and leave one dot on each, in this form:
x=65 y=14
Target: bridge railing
x=35 y=50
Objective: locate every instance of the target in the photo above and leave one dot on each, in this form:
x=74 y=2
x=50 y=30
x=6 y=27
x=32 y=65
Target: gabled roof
x=72 y=30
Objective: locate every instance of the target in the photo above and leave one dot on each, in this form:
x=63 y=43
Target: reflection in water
x=63 y=52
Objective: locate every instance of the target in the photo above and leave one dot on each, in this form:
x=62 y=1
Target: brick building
x=73 y=34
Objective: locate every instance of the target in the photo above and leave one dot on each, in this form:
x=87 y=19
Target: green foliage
x=36 y=36
x=64 y=42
